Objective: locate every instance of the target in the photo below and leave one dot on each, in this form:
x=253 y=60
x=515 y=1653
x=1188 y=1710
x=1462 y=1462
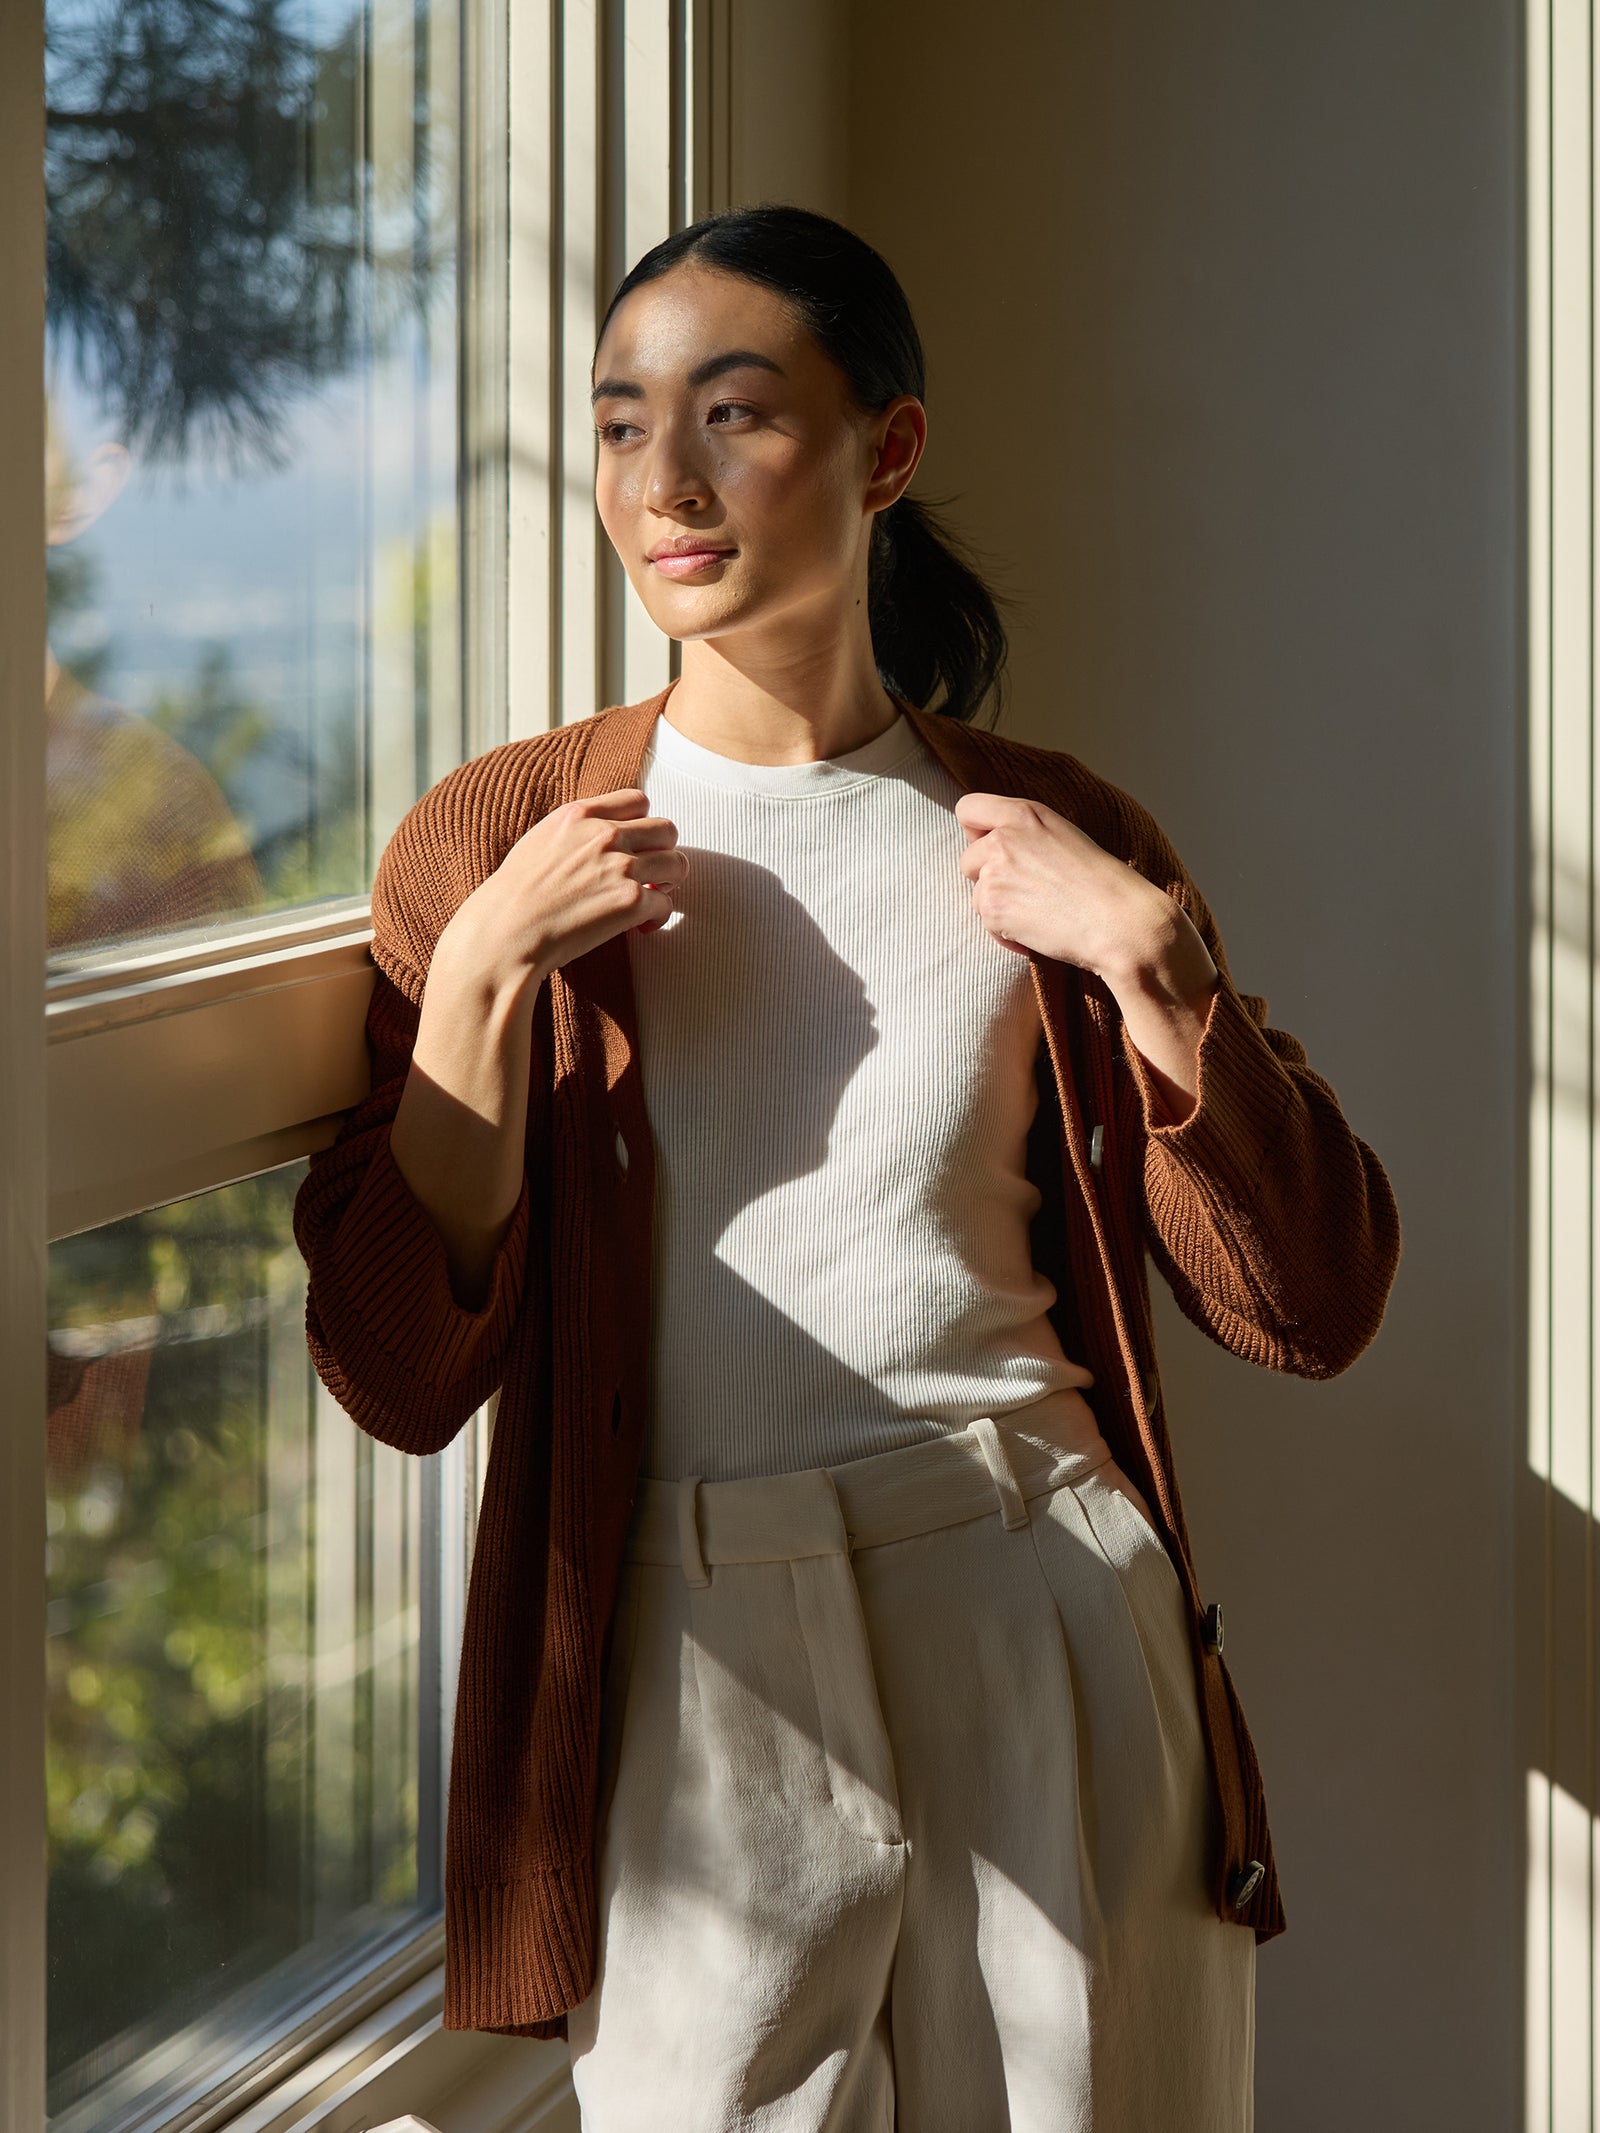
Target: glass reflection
x=242 y=1750
x=252 y=464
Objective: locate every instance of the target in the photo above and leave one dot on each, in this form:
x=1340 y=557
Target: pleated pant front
x=906 y=1819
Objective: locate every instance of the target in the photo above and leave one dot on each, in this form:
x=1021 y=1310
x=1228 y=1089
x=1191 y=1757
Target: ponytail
x=936 y=627
x=935 y=624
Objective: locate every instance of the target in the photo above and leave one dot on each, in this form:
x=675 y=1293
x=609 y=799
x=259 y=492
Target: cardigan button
x=1245 y=1883
x=622 y=1153
x=1097 y=1147
x=1211 y=1632
x=1152 y=1392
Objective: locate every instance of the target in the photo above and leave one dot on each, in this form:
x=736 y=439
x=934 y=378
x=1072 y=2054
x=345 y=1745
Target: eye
x=616 y=432
x=726 y=411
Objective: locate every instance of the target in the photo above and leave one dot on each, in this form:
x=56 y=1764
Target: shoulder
x=458 y=833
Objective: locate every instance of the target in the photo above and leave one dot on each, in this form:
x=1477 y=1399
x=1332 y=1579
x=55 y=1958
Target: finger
x=979 y=812
x=620 y=806
x=976 y=856
x=992 y=926
x=655 y=907
x=654 y=834
x=661 y=870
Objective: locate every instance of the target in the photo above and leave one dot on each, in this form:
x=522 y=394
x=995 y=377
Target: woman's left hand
x=1040 y=885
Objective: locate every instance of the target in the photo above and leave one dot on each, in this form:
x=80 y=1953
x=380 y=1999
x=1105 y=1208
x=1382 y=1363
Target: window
x=244 y=1657
x=314 y=366
x=252 y=456
x=253 y=668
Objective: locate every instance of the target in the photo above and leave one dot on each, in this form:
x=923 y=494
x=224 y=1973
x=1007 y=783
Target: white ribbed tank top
x=838 y=1070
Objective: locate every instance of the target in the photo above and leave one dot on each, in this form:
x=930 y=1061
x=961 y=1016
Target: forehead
x=662 y=331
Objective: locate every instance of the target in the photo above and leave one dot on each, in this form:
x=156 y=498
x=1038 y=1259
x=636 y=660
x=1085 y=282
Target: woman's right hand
x=583 y=874
x=589 y=871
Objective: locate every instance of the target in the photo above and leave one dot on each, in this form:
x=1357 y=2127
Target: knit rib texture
x=1272 y=1222
x=839 y=1076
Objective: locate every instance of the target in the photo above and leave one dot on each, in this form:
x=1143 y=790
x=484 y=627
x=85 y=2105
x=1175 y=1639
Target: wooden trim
x=23 y=1319
x=155 y=1108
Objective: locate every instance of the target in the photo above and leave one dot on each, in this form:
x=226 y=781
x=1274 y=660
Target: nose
x=678 y=480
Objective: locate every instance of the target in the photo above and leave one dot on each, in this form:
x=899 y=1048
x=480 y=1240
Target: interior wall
x=789 y=111
x=1222 y=317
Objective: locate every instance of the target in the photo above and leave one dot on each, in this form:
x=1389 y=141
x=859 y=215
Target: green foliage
x=194 y=1843
x=218 y=726
x=238 y=740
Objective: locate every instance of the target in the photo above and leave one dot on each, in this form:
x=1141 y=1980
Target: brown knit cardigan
x=1273 y=1224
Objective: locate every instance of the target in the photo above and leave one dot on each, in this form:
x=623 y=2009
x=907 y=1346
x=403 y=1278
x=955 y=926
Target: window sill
x=400 y=2060
x=190 y=1079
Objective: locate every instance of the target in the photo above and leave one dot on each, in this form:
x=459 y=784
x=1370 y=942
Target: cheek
x=616 y=496
x=786 y=506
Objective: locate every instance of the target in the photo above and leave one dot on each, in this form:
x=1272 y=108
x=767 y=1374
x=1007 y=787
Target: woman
x=776 y=1088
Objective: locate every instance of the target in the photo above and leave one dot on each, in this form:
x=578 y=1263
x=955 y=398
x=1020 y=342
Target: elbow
x=397 y=1416
x=1344 y=1321
x=391 y=1403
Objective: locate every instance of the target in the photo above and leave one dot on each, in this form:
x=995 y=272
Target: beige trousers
x=906 y=1816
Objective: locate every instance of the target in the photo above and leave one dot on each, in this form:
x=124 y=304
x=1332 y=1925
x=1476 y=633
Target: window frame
x=140 y=1076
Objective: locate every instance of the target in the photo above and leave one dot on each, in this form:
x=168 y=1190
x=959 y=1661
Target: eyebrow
x=702 y=374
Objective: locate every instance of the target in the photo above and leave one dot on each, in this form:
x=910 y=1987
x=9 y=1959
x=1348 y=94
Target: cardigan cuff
x=1242 y=1101
x=519 y=1953
x=394 y=1277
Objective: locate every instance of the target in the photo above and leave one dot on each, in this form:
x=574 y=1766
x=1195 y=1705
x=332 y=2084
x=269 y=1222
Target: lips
x=687 y=562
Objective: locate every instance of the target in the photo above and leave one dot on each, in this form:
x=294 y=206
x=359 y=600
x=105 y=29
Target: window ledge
x=400 y=2060
x=178 y=976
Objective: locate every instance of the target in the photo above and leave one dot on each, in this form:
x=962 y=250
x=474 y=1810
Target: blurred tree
x=203 y=263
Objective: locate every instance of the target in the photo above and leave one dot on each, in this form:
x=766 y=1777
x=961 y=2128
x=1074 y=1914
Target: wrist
x=1161 y=959
x=471 y=962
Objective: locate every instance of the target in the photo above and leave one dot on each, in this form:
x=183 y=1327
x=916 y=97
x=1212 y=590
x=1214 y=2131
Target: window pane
x=243 y=1656
x=252 y=455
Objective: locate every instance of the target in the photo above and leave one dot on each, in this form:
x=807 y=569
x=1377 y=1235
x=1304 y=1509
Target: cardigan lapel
x=602 y=1186
x=617 y=742
x=1058 y=988
x=616 y=747
x=1064 y=1006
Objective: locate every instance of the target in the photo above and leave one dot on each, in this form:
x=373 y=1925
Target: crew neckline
x=886 y=752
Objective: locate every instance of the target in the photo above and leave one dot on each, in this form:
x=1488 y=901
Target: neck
x=802 y=701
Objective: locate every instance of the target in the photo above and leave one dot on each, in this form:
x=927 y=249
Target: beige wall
x=1221 y=313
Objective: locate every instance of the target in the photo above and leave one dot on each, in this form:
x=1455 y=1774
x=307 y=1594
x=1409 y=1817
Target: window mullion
x=22 y=1072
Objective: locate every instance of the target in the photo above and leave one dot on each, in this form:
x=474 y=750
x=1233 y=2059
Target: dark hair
x=934 y=622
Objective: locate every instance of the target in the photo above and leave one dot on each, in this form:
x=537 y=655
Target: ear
x=899 y=435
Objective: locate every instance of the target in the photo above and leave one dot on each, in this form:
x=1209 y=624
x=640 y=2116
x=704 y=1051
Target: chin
x=702 y=611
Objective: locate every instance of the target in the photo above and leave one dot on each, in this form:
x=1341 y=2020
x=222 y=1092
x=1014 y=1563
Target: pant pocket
x=855 y=1739
x=1131 y=1545
x=1158 y=1607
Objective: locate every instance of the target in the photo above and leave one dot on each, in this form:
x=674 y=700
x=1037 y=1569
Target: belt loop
x=847 y=1538
x=694 y=1569
x=1013 y=1511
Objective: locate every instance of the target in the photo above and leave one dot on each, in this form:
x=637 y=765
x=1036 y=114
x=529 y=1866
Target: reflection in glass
x=242 y=1656
x=252 y=461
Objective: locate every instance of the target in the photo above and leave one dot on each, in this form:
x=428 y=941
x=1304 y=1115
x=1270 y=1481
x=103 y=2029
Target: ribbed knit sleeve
x=1273 y=1223
x=386 y=1334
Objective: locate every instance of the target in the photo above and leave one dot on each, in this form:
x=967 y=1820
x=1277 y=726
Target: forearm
x=458 y=1135
x=1164 y=992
